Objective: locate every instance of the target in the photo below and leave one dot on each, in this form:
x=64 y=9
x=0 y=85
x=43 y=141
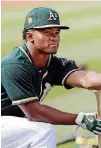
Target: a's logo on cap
x=29 y=21
x=52 y=16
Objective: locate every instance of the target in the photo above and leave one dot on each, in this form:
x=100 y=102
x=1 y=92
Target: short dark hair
x=24 y=34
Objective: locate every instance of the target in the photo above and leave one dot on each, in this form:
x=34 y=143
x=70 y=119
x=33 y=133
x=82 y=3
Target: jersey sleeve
x=62 y=69
x=17 y=79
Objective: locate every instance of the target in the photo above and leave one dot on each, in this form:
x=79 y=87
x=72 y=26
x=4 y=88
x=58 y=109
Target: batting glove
x=89 y=122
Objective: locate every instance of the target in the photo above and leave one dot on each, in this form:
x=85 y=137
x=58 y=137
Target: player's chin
x=52 y=49
x=49 y=52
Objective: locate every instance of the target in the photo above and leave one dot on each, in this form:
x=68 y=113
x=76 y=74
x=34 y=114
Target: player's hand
x=90 y=122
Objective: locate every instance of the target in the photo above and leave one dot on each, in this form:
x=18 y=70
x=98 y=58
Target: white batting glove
x=89 y=122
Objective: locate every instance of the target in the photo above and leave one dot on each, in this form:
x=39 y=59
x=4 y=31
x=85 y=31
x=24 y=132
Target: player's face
x=47 y=40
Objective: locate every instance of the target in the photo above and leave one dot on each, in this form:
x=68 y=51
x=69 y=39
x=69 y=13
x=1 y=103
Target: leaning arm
x=35 y=111
x=83 y=79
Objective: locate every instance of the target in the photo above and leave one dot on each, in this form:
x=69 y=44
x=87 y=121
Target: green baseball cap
x=43 y=17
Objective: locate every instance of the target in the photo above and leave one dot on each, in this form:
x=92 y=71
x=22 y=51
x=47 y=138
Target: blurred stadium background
x=81 y=43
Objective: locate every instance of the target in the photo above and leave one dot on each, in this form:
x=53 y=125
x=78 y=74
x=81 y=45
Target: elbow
x=30 y=118
x=32 y=111
x=36 y=116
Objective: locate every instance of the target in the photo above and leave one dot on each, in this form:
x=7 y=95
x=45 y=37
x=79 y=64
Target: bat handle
x=98 y=101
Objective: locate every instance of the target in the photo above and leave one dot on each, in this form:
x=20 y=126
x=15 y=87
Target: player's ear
x=29 y=36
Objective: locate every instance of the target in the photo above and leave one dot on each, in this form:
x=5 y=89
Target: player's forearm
x=53 y=116
x=92 y=80
x=84 y=79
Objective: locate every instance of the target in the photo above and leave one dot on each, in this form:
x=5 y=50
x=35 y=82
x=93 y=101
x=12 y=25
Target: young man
x=29 y=72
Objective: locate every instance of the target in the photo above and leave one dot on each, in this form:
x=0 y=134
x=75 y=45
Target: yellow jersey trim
x=17 y=102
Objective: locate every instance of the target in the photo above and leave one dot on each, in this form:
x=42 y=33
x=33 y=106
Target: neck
x=38 y=58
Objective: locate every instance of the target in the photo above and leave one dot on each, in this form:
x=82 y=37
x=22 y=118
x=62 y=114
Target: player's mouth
x=53 y=45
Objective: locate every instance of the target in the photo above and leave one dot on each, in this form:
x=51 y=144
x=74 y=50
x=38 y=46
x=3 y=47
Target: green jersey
x=23 y=82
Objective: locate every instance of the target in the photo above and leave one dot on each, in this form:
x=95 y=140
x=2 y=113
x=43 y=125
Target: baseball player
x=28 y=73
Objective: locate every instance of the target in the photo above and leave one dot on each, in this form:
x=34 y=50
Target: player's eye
x=58 y=32
x=47 y=31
